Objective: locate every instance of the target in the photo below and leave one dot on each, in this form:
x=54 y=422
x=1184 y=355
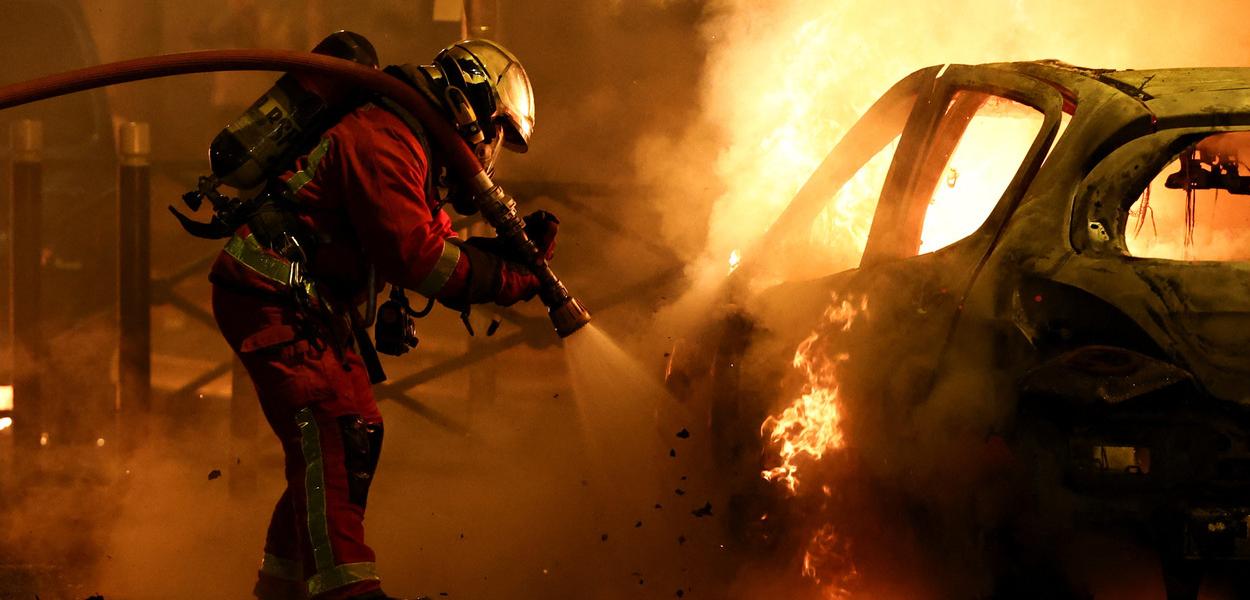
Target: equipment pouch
x=362 y=445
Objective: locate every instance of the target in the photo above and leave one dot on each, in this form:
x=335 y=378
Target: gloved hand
x=492 y=278
x=541 y=227
x=516 y=284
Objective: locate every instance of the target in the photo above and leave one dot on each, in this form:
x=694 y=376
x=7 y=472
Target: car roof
x=1167 y=82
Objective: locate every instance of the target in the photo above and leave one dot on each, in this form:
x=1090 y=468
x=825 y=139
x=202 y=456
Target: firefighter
x=364 y=205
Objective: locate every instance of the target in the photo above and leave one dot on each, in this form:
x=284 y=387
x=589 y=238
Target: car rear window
x=1198 y=206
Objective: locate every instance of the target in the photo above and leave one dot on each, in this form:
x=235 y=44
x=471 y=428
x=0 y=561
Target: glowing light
x=827 y=560
x=99 y=442
x=991 y=150
x=811 y=425
x=734 y=260
x=6 y=397
x=43 y=439
x=5 y=423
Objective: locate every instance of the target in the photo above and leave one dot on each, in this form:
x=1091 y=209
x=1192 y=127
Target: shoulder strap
x=418 y=131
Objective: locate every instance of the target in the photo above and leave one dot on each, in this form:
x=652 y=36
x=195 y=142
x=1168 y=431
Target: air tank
x=284 y=122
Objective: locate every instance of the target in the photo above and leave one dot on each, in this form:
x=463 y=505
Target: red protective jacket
x=364 y=190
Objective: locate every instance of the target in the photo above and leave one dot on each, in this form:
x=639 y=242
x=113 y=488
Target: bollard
x=25 y=259
x=134 y=286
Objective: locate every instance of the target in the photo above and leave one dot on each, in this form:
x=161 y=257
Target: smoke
x=784 y=80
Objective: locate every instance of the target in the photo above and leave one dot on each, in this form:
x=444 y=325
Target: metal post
x=25 y=259
x=134 y=289
x=244 y=427
x=481 y=19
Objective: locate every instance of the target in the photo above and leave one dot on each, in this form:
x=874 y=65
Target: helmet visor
x=516 y=107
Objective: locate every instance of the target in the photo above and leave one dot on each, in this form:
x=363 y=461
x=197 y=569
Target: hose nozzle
x=569 y=317
x=499 y=209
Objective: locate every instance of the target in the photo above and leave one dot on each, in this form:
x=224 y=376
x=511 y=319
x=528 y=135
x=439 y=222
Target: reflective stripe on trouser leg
x=281 y=568
x=328 y=576
x=282 y=542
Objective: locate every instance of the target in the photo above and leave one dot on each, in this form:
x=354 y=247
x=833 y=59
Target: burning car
x=1043 y=354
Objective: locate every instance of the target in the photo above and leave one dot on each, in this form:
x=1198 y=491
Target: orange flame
x=828 y=561
x=811 y=425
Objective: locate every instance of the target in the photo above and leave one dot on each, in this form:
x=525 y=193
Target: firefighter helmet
x=487 y=91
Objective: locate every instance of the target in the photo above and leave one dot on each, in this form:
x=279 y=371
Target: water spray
x=497 y=207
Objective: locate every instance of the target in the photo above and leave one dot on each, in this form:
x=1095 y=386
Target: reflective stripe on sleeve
x=340 y=576
x=443 y=268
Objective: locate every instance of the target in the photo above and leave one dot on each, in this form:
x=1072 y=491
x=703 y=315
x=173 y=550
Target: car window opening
x=990 y=151
x=839 y=232
x=1198 y=206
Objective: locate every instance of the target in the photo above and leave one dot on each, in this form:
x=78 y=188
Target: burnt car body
x=1123 y=380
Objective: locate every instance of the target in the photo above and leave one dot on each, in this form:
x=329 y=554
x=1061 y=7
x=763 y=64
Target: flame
x=828 y=561
x=734 y=260
x=811 y=425
x=5 y=423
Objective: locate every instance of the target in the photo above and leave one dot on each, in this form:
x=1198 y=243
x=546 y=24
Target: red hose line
x=566 y=313
x=461 y=160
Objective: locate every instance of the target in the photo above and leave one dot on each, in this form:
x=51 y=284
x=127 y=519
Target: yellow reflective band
x=300 y=178
x=281 y=568
x=340 y=576
x=446 y=265
x=315 y=490
x=252 y=255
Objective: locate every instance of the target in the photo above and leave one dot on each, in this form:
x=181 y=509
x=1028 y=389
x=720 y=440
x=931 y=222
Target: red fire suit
x=364 y=192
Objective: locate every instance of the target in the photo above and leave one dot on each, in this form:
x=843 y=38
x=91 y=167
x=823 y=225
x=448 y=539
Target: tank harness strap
x=248 y=251
x=413 y=124
x=300 y=178
x=418 y=131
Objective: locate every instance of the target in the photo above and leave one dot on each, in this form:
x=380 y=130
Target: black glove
x=541 y=228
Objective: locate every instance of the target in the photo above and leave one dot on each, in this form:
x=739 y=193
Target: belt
x=249 y=252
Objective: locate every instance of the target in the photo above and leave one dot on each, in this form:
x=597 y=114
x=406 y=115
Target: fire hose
x=497 y=207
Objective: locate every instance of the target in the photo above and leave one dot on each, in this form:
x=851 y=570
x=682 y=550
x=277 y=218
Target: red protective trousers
x=318 y=401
